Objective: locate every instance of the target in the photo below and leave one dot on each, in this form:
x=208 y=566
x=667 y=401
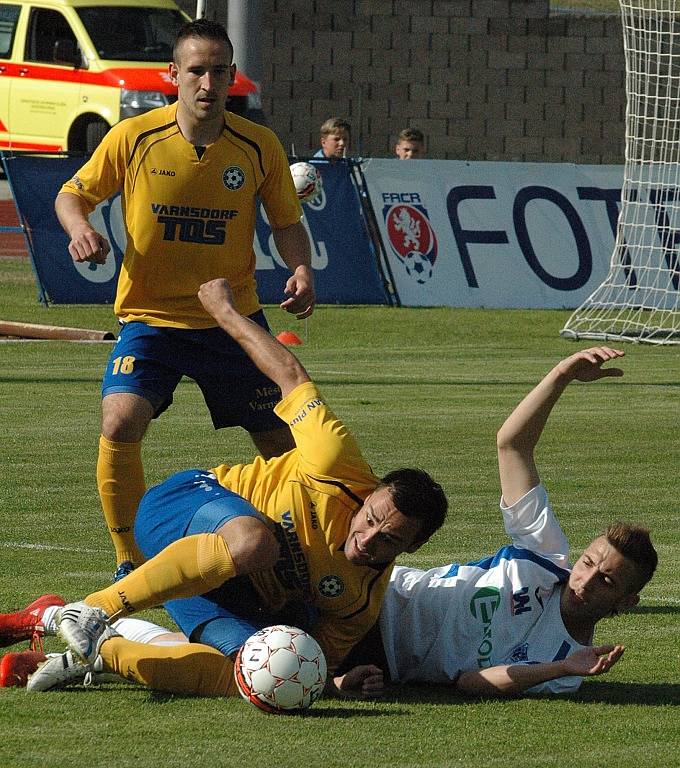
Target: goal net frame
x=639 y=299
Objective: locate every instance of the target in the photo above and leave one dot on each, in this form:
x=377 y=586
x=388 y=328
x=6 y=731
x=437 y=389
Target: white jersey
x=504 y=609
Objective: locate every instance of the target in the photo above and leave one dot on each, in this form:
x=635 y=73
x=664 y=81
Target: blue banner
x=35 y=181
x=344 y=263
x=345 y=268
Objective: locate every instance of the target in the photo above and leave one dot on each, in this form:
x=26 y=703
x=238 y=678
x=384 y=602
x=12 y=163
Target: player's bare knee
x=252 y=545
x=125 y=417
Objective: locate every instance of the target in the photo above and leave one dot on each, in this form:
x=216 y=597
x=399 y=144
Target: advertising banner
x=487 y=234
x=35 y=181
x=345 y=267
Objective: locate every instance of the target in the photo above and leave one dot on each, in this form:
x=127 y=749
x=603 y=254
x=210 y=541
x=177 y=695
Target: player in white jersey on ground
x=520 y=619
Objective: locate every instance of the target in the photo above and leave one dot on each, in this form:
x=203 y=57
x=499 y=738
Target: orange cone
x=288 y=337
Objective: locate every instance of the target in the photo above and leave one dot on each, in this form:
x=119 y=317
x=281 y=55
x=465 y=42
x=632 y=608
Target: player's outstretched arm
x=86 y=243
x=269 y=355
x=514 y=679
x=522 y=430
x=293 y=244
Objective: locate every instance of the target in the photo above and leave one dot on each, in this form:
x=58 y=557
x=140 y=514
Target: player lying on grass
x=520 y=619
x=314 y=528
x=517 y=620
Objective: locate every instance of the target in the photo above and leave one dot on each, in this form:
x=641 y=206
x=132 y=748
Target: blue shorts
x=193 y=502
x=149 y=361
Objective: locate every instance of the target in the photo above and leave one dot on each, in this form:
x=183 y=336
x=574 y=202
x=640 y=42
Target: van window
x=45 y=27
x=131 y=33
x=8 y=24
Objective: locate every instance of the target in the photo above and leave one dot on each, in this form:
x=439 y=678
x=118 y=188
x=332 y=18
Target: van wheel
x=94 y=133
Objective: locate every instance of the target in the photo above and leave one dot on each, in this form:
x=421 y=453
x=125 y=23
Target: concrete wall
x=484 y=79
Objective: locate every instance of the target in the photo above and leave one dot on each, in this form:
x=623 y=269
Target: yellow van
x=70 y=69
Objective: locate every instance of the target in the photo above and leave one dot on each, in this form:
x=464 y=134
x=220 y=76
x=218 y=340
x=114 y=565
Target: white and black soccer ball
x=418 y=266
x=280 y=668
x=307 y=180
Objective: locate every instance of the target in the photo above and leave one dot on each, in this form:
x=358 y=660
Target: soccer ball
x=418 y=267
x=307 y=180
x=280 y=668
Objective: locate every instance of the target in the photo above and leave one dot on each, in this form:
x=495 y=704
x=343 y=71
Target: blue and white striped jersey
x=503 y=609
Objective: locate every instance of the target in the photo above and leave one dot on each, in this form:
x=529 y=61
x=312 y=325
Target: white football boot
x=83 y=628
x=62 y=669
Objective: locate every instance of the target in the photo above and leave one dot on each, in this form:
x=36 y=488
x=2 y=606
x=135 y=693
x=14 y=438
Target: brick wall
x=483 y=79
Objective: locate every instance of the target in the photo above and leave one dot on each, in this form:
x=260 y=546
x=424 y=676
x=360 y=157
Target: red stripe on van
x=137 y=79
x=4 y=144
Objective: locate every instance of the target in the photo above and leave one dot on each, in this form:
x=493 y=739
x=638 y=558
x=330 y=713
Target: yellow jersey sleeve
x=103 y=175
x=277 y=190
x=325 y=447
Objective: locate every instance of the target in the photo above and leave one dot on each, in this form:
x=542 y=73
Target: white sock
x=49 y=619
x=142 y=631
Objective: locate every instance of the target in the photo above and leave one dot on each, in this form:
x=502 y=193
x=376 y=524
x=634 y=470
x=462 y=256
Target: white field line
x=51 y=547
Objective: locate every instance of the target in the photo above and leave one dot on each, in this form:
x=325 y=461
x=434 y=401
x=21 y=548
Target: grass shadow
x=592 y=691
x=649 y=694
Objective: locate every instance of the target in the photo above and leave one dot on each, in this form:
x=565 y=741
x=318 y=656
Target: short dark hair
x=634 y=543
x=203 y=28
x=411 y=134
x=335 y=125
x=415 y=494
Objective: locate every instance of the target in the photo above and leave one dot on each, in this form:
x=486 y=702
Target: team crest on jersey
x=331 y=586
x=412 y=239
x=233 y=178
x=519 y=654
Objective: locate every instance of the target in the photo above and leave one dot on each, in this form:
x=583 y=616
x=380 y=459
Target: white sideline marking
x=50 y=547
x=651 y=601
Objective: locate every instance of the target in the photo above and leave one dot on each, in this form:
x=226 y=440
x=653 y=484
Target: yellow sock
x=120 y=481
x=190 y=668
x=190 y=566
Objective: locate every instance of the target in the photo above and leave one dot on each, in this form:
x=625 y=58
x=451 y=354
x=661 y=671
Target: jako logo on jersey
x=163 y=172
x=411 y=238
x=483 y=605
x=190 y=224
x=233 y=178
x=331 y=586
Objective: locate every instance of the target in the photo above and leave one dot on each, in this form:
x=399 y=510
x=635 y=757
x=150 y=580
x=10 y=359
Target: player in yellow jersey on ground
x=310 y=539
x=189 y=175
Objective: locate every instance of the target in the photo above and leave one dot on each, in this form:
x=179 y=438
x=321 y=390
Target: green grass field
x=417 y=386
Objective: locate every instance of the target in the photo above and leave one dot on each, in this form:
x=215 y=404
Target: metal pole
x=200 y=9
x=244 y=24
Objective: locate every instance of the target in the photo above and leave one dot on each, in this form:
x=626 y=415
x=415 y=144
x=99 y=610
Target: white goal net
x=639 y=299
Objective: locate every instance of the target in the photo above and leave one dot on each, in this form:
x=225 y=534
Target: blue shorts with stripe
x=188 y=503
x=149 y=361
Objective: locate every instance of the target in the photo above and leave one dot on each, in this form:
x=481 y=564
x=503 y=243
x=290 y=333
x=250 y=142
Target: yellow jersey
x=187 y=219
x=311 y=495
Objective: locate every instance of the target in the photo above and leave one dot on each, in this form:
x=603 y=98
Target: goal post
x=639 y=299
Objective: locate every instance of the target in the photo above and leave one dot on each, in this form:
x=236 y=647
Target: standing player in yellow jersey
x=308 y=537
x=190 y=175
